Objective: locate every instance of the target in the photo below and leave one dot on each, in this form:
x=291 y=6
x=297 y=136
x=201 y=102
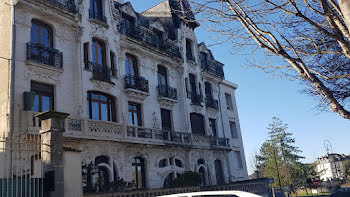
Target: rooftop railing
x=213 y=67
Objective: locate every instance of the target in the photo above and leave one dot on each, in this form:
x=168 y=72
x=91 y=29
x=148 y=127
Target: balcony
x=136 y=87
x=196 y=99
x=68 y=5
x=217 y=142
x=44 y=55
x=210 y=142
x=213 y=67
x=190 y=57
x=100 y=72
x=97 y=16
x=150 y=39
x=167 y=96
x=211 y=103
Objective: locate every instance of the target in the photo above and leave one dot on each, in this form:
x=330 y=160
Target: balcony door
x=203 y=57
x=197 y=124
x=96 y=7
x=166 y=119
x=98 y=52
x=193 y=87
x=131 y=68
x=208 y=90
x=162 y=76
x=135 y=114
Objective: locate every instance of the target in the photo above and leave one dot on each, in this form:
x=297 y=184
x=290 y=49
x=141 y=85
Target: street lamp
x=328 y=145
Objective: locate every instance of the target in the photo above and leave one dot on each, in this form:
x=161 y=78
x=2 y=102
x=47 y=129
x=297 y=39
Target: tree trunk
x=345 y=8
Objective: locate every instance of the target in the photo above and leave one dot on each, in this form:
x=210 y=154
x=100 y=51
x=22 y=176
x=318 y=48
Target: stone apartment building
x=146 y=101
x=330 y=166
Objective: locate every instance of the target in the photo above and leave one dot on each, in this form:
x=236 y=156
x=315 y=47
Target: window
x=212 y=126
x=178 y=163
x=96 y=8
x=131 y=65
x=228 y=101
x=200 y=162
x=127 y=24
x=41 y=33
x=44 y=97
x=208 y=90
x=113 y=69
x=138 y=172
x=193 y=88
x=166 y=119
x=233 y=129
x=219 y=172
x=135 y=114
x=102 y=175
x=238 y=159
x=86 y=55
x=189 y=53
x=197 y=124
x=98 y=52
x=162 y=76
x=202 y=172
x=100 y=106
x=162 y=163
x=203 y=58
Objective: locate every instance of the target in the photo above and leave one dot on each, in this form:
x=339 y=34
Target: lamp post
x=328 y=145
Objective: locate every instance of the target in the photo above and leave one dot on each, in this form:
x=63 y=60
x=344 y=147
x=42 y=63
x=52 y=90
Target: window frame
x=41 y=90
x=229 y=103
x=234 y=133
x=239 y=159
x=170 y=119
x=129 y=58
x=138 y=113
x=111 y=108
x=212 y=123
x=162 y=72
x=194 y=128
x=135 y=164
x=41 y=25
x=98 y=44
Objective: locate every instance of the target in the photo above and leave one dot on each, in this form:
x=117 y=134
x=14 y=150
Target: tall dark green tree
x=279 y=158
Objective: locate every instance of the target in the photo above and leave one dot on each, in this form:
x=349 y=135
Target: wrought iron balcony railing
x=166 y=91
x=219 y=142
x=44 y=55
x=196 y=99
x=190 y=57
x=137 y=83
x=212 y=103
x=68 y=5
x=149 y=38
x=97 y=15
x=100 y=72
x=213 y=67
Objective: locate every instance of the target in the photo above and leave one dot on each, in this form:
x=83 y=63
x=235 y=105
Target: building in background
x=330 y=166
x=146 y=101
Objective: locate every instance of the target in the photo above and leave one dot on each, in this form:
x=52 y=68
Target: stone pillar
x=52 y=129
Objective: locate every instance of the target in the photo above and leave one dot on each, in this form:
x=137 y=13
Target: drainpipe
x=12 y=68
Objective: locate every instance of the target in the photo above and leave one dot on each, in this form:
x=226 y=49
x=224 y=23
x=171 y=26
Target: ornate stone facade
x=153 y=41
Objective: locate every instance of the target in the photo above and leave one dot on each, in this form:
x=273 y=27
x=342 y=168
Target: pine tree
x=279 y=157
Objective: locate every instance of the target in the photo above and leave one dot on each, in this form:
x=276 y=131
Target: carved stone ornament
x=43 y=73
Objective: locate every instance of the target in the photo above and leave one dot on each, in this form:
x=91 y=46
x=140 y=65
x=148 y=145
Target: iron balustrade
x=149 y=38
x=136 y=82
x=68 y=5
x=100 y=72
x=213 y=67
x=212 y=103
x=97 y=15
x=44 y=55
x=166 y=91
x=196 y=99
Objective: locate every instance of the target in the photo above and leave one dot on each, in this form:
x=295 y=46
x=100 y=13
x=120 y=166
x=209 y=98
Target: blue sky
x=259 y=98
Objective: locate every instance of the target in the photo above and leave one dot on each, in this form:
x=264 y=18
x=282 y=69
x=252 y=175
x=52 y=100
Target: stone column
x=52 y=129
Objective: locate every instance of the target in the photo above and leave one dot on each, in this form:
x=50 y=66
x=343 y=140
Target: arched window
x=138 y=172
x=197 y=124
x=41 y=33
x=201 y=171
x=131 y=65
x=200 y=162
x=169 y=180
x=219 y=172
x=101 y=106
x=162 y=163
x=178 y=163
x=98 y=52
x=102 y=175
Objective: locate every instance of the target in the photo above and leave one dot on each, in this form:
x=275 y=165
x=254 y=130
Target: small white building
x=330 y=166
x=146 y=101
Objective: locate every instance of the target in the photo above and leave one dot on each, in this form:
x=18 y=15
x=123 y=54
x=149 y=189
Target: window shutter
x=86 y=55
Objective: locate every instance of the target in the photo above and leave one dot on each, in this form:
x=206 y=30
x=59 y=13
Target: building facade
x=146 y=102
x=330 y=167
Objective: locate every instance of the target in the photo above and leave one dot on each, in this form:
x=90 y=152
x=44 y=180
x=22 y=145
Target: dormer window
x=127 y=24
x=204 y=59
